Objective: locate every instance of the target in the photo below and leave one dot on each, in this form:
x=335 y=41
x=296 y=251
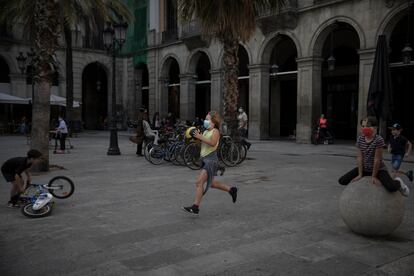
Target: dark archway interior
x=243 y=82
x=403 y=76
x=4 y=71
x=203 y=90
x=340 y=86
x=283 y=90
x=174 y=89
x=144 y=84
x=94 y=97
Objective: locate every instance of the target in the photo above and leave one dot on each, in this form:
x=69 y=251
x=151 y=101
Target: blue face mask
x=206 y=124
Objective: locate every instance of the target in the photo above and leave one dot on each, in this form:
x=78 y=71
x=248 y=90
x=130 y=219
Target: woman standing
x=209 y=143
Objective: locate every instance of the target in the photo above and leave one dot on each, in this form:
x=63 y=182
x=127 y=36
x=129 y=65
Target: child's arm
x=389 y=148
x=211 y=142
x=409 y=147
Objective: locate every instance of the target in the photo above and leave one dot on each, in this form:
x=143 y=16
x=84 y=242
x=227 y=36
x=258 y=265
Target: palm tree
x=44 y=21
x=230 y=22
x=90 y=12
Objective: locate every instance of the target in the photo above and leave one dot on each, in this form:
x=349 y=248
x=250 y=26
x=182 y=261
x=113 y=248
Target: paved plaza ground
x=125 y=219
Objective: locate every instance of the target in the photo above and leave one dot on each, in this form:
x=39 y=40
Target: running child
x=209 y=143
x=399 y=147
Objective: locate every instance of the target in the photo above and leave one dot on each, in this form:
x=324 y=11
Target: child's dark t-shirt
x=398 y=144
x=15 y=165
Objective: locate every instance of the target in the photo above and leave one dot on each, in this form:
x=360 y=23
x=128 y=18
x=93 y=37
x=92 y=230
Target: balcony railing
x=191 y=29
x=269 y=20
x=169 y=36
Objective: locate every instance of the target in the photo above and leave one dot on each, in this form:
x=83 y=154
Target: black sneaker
x=233 y=193
x=191 y=209
x=13 y=205
x=409 y=174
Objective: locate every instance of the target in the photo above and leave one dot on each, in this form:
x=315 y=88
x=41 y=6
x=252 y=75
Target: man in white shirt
x=62 y=131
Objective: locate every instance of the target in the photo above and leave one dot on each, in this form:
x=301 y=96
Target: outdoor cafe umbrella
x=10 y=99
x=380 y=101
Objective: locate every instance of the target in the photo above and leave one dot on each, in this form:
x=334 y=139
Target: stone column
x=187 y=96
x=217 y=90
x=274 y=107
x=162 y=97
x=309 y=99
x=258 y=101
x=137 y=98
x=366 y=62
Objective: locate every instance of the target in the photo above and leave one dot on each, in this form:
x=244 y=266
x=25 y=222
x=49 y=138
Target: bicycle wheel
x=230 y=154
x=192 y=156
x=178 y=154
x=28 y=211
x=156 y=155
x=61 y=187
x=147 y=148
x=242 y=152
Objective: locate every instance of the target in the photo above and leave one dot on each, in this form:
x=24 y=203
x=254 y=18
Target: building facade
x=285 y=80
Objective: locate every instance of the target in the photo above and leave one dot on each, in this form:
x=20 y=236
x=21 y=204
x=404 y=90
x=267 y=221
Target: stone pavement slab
x=125 y=219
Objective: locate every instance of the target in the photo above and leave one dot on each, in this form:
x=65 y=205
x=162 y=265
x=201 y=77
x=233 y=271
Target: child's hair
x=34 y=154
x=371 y=121
x=215 y=118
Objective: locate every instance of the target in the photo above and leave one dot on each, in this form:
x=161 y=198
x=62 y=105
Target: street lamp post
x=114 y=37
x=24 y=67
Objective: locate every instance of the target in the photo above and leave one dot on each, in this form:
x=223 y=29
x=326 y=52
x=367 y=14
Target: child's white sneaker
x=404 y=190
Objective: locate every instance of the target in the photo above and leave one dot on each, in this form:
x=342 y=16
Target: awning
x=9 y=99
x=60 y=101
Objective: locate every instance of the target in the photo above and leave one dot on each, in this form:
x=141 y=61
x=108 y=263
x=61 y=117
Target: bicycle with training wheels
x=38 y=197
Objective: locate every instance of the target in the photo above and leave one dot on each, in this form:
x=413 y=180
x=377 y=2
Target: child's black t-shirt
x=398 y=144
x=15 y=165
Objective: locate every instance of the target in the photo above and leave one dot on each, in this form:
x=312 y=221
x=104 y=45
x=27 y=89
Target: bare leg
x=218 y=185
x=202 y=178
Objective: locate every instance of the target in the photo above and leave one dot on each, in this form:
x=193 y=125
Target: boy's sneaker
x=191 y=209
x=404 y=190
x=13 y=205
x=409 y=174
x=233 y=193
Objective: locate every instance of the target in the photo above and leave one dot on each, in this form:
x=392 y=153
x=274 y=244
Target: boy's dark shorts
x=10 y=177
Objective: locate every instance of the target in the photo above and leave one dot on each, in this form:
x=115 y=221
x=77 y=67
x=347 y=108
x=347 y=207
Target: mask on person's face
x=240 y=110
x=206 y=124
x=367 y=131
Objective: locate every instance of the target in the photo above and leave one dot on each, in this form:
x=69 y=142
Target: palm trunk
x=231 y=86
x=46 y=43
x=40 y=122
x=69 y=76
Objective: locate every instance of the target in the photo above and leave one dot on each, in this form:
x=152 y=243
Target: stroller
x=56 y=136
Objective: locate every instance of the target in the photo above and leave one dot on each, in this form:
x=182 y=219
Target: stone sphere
x=370 y=209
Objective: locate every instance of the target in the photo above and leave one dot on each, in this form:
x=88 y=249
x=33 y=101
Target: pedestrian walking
x=399 y=147
x=370 y=163
x=209 y=143
x=12 y=171
x=243 y=126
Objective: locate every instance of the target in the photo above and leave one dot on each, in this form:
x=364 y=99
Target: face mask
x=240 y=110
x=367 y=131
x=206 y=124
